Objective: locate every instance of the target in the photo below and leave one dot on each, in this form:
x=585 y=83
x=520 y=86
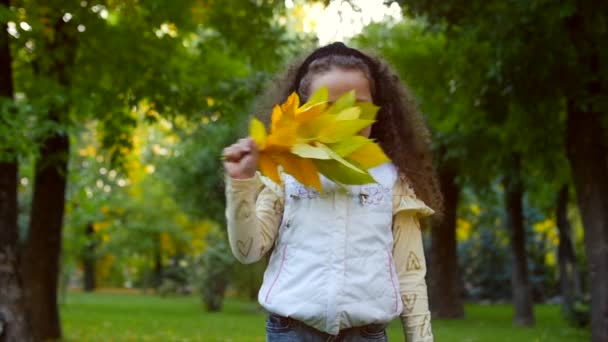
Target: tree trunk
x=13 y=315
x=446 y=301
x=588 y=157
x=158 y=264
x=568 y=271
x=43 y=247
x=42 y=253
x=522 y=291
x=587 y=150
x=89 y=259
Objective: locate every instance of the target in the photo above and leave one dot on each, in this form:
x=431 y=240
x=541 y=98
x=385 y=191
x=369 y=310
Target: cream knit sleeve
x=410 y=263
x=253 y=221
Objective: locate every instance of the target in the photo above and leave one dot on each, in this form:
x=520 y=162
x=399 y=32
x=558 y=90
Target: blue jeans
x=282 y=329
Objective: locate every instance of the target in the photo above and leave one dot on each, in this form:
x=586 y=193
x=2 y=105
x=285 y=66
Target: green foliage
x=432 y=67
x=198 y=173
x=479 y=120
x=110 y=73
x=246 y=279
x=16 y=133
x=580 y=316
x=527 y=59
x=485 y=254
x=550 y=38
x=173 y=54
x=176 y=278
x=263 y=43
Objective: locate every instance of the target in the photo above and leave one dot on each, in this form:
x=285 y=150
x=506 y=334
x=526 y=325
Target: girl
x=346 y=261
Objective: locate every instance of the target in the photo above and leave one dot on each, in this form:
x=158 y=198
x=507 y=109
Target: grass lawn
x=134 y=317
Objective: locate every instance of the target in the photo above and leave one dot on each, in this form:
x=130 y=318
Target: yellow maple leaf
x=258 y=133
x=269 y=167
x=319 y=137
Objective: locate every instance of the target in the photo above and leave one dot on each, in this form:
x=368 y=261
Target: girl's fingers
x=240 y=149
x=236 y=151
x=254 y=148
x=232 y=153
x=240 y=158
x=251 y=144
x=244 y=145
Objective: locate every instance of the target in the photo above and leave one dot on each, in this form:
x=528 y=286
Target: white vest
x=332 y=265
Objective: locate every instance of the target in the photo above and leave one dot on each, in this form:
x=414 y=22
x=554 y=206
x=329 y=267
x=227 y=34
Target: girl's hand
x=241 y=159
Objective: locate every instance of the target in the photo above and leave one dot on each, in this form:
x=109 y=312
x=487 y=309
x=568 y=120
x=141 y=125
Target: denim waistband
x=293 y=322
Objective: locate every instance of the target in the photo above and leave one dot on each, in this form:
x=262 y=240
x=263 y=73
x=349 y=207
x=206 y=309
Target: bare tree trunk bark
x=14 y=323
x=522 y=291
x=43 y=248
x=158 y=264
x=568 y=270
x=587 y=150
x=446 y=301
x=89 y=260
x=588 y=156
x=13 y=314
x=42 y=253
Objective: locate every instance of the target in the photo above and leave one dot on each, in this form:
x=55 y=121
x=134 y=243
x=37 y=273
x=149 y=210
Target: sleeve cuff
x=252 y=184
x=412 y=204
x=241 y=185
x=406 y=200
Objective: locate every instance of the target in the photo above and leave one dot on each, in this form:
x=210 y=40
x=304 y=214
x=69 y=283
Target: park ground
x=120 y=316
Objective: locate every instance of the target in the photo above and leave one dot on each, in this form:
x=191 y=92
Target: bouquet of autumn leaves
x=319 y=137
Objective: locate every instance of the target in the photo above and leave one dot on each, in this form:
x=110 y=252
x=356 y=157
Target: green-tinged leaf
x=341 y=160
x=319 y=98
x=312 y=128
x=368 y=110
x=349 y=145
x=349 y=114
x=345 y=101
x=342 y=174
x=368 y=156
x=339 y=130
x=308 y=151
x=257 y=131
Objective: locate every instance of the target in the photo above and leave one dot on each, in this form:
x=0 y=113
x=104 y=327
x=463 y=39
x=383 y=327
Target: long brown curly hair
x=399 y=128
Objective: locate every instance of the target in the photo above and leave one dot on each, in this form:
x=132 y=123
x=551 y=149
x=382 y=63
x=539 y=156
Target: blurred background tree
x=546 y=61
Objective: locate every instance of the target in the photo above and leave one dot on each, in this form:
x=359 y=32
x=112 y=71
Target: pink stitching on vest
x=390 y=269
x=278 y=273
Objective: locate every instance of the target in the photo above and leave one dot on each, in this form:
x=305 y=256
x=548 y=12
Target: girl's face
x=339 y=81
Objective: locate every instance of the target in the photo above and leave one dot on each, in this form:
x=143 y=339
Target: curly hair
x=399 y=128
